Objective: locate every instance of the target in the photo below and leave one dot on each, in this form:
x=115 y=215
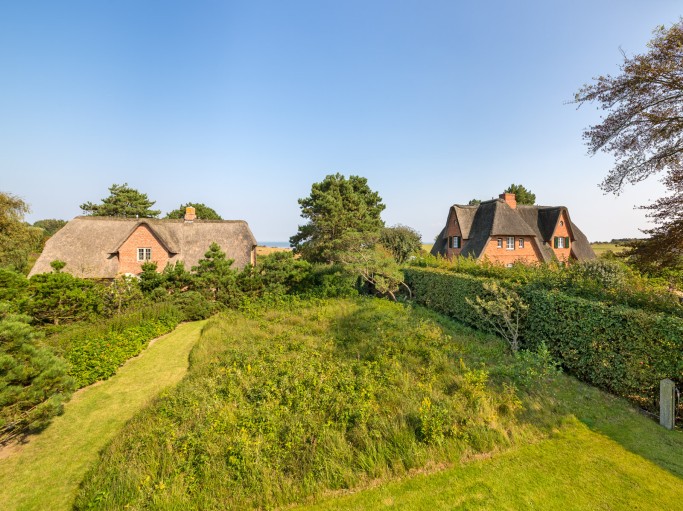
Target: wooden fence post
x=667 y=403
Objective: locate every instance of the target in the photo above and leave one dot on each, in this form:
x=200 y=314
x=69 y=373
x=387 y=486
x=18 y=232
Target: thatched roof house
x=105 y=247
x=505 y=232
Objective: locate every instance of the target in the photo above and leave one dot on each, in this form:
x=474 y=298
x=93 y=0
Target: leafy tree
x=123 y=201
x=215 y=278
x=401 y=241
x=643 y=130
x=17 y=238
x=336 y=206
x=364 y=257
x=33 y=382
x=50 y=226
x=150 y=278
x=474 y=202
x=202 y=211
x=522 y=195
x=13 y=286
x=503 y=310
x=120 y=294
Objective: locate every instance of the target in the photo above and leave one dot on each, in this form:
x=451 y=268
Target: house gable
x=142 y=239
x=562 y=237
x=453 y=234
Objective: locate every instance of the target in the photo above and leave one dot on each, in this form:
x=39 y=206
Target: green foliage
x=60 y=297
x=49 y=226
x=194 y=306
x=619 y=349
x=17 y=238
x=13 y=287
x=123 y=201
x=522 y=195
x=94 y=351
x=503 y=310
x=216 y=279
x=202 y=211
x=623 y=350
x=33 y=382
x=57 y=265
x=282 y=273
x=281 y=404
x=474 y=202
x=402 y=241
x=334 y=207
x=363 y=257
x=119 y=295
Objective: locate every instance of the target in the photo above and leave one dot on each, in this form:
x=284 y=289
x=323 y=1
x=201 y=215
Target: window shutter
x=555 y=241
x=566 y=242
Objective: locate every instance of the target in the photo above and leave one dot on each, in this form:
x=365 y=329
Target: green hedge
x=445 y=292
x=623 y=350
x=95 y=351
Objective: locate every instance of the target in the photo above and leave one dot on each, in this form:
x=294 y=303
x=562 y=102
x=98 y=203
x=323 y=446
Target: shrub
x=33 y=382
x=94 y=351
x=60 y=297
x=194 y=306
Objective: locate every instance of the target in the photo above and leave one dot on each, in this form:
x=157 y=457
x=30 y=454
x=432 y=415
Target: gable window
x=521 y=242
x=454 y=242
x=144 y=254
x=511 y=243
x=500 y=242
x=561 y=242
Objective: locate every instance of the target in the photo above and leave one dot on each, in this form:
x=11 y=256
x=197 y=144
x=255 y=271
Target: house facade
x=107 y=247
x=505 y=232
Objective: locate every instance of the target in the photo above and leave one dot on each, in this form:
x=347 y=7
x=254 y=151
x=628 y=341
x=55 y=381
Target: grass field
x=45 y=473
x=281 y=406
x=602 y=248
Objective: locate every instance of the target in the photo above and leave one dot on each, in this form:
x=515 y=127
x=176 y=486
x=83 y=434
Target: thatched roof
x=496 y=218
x=89 y=245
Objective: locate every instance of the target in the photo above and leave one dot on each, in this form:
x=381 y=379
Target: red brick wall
x=142 y=237
x=561 y=230
x=453 y=229
x=528 y=254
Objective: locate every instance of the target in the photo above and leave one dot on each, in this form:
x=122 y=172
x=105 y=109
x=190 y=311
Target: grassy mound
x=283 y=404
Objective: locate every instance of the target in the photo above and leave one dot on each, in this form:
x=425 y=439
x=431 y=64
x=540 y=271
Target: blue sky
x=243 y=105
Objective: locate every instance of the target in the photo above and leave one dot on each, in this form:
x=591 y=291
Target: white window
x=454 y=242
x=521 y=242
x=511 y=243
x=144 y=254
x=500 y=242
x=560 y=242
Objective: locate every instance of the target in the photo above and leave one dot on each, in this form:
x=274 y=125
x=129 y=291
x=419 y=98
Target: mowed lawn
x=45 y=473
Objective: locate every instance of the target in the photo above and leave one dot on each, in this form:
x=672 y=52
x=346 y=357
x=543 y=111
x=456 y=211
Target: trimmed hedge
x=623 y=350
x=445 y=292
x=95 y=351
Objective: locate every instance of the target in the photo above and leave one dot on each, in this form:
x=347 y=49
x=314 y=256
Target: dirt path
x=45 y=473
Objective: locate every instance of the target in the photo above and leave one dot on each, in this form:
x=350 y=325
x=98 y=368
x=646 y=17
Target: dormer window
x=144 y=254
x=561 y=242
x=454 y=242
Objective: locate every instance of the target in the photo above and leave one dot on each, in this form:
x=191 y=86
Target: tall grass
x=283 y=404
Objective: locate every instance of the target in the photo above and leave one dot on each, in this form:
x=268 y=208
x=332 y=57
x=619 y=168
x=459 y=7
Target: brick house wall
x=562 y=231
x=142 y=237
x=529 y=253
x=453 y=229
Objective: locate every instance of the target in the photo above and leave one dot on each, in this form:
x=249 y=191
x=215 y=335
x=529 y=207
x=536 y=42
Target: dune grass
x=575 y=469
x=45 y=473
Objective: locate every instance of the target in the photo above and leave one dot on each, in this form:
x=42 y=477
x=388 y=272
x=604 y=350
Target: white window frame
x=560 y=242
x=521 y=242
x=144 y=254
x=511 y=243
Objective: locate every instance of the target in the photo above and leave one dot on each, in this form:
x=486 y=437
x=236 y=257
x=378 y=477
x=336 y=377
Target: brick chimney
x=509 y=199
x=190 y=215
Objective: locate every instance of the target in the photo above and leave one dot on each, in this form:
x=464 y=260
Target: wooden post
x=667 y=403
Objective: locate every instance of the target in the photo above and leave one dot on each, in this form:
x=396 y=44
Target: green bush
x=33 y=382
x=447 y=292
x=194 y=306
x=623 y=350
x=94 y=351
